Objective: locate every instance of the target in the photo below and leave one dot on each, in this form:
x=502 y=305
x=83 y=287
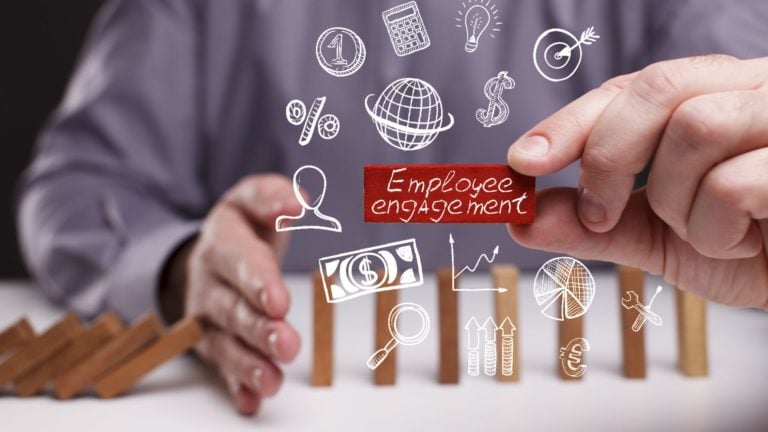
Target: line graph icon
x=564 y=287
x=327 y=125
x=471 y=269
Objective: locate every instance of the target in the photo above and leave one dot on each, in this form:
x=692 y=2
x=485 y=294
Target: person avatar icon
x=314 y=219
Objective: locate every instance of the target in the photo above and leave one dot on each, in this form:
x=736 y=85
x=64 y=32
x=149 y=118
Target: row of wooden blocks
x=691 y=325
x=70 y=356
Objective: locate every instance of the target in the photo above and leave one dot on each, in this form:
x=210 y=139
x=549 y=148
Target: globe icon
x=408 y=114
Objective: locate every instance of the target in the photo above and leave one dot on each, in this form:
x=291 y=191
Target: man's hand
x=229 y=276
x=702 y=220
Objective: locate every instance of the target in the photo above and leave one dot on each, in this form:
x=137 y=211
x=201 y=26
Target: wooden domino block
x=142 y=332
x=322 y=334
x=568 y=330
x=692 y=334
x=87 y=340
x=448 y=372
x=507 y=276
x=386 y=372
x=179 y=338
x=16 y=336
x=39 y=349
x=633 y=343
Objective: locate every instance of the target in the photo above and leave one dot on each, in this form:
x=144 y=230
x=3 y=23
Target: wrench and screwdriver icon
x=632 y=301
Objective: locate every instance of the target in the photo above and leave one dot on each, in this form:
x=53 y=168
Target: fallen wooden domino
x=16 y=336
x=181 y=337
x=631 y=280
x=322 y=334
x=143 y=331
x=84 y=343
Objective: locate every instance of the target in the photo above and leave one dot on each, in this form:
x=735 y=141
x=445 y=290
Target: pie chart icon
x=564 y=288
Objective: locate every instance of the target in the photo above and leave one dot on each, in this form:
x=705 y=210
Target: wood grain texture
x=322 y=334
x=632 y=343
x=86 y=341
x=39 y=349
x=143 y=331
x=507 y=276
x=16 y=336
x=184 y=335
x=386 y=373
x=568 y=330
x=693 y=359
x=448 y=311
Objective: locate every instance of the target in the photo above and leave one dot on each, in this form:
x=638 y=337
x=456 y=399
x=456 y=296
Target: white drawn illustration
x=409 y=114
x=557 y=53
x=471 y=269
x=498 y=110
x=632 y=301
x=310 y=218
x=397 y=337
x=487 y=332
x=385 y=267
x=331 y=54
x=571 y=356
x=475 y=16
x=327 y=125
x=564 y=287
x=406 y=28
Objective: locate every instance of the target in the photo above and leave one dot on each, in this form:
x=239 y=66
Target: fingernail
x=590 y=208
x=536 y=146
x=256 y=378
x=272 y=341
x=263 y=298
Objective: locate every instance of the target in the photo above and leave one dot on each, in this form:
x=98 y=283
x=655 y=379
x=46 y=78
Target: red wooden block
x=448 y=194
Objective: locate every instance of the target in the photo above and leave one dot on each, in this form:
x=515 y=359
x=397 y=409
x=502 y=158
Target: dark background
x=39 y=44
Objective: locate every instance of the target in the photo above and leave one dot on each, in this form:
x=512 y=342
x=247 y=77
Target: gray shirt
x=173 y=101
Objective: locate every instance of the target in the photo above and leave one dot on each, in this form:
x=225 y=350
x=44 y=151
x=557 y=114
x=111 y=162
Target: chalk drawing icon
x=327 y=125
x=571 y=357
x=310 y=218
x=557 y=53
x=564 y=287
x=472 y=269
x=632 y=301
x=409 y=114
x=498 y=110
x=475 y=17
x=487 y=333
x=385 y=267
x=406 y=29
x=340 y=51
x=399 y=338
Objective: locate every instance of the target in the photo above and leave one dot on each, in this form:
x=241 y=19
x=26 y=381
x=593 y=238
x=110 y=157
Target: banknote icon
x=379 y=268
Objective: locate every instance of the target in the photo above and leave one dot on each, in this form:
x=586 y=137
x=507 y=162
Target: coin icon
x=340 y=51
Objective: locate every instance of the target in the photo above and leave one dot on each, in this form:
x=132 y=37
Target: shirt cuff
x=134 y=281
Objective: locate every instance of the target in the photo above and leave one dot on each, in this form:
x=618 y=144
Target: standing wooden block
x=180 y=338
x=322 y=334
x=568 y=330
x=386 y=372
x=631 y=280
x=143 y=331
x=84 y=343
x=448 y=372
x=39 y=349
x=16 y=335
x=692 y=334
x=507 y=367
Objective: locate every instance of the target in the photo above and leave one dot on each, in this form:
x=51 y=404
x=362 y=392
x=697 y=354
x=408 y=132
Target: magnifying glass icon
x=398 y=338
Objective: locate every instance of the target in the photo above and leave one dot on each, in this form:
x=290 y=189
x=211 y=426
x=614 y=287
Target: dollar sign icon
x=498 y=110
x=365 y=270
x=571 y=357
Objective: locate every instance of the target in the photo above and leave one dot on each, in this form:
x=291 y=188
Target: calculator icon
x=406 y=28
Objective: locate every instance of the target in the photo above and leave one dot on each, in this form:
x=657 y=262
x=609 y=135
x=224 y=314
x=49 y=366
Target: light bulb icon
x=475 y=21
x=476 y=17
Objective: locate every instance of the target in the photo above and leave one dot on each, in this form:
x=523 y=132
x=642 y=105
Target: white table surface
x=181 y=396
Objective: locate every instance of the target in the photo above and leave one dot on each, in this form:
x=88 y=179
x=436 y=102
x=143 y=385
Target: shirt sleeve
x=113 y=188
x=685 y=28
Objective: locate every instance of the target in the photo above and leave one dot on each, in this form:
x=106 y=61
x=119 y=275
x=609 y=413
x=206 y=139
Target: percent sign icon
x=327 y=125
